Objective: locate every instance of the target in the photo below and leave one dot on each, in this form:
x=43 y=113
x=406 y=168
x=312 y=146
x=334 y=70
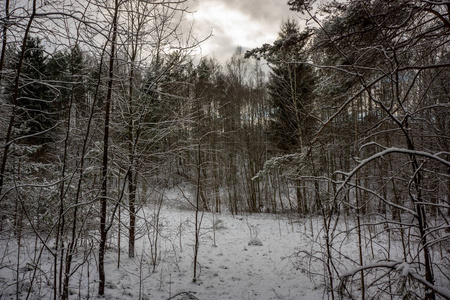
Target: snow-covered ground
x=248 y=256
x=231 y=264
x=230 y=269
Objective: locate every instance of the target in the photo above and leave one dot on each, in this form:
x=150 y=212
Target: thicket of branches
x=103 y=106
x=378 y=159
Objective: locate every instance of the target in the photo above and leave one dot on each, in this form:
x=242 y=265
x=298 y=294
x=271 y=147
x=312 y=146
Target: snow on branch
x=389 y=265
x=387 y=151
x=275 y=162
x=406 y=271
x=437 y=289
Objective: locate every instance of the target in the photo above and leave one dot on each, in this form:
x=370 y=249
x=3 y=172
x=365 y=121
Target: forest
x=339 y=129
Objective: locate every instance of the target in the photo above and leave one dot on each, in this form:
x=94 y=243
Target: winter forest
x=316 y=166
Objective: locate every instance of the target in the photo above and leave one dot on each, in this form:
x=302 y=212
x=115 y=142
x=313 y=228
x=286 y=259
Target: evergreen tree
x=291 y=86
x=36 y=105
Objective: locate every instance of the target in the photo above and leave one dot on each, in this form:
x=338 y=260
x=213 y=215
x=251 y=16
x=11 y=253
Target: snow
x=405 y=268
x=229 y=268
x=248 y=256
x=232 y=269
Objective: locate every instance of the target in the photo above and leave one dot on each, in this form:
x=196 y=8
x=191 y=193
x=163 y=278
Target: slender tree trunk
x=131 y=173
x=5 y=39
x=197 y=209
x=359 y=209
x=61 y=220
x=104 y=188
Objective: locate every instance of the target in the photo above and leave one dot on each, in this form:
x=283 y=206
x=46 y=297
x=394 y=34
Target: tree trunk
x=5 y=38
x=104 y=188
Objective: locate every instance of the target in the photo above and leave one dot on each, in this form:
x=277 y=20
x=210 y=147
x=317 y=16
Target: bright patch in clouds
x=231 y=23
x=230 y=28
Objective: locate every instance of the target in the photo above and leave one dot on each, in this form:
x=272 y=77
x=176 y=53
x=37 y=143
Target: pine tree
x=291 y=87
x=36 y=105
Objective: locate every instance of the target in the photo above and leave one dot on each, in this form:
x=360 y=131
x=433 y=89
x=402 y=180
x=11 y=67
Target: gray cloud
x=264 y=10
x=262 y=22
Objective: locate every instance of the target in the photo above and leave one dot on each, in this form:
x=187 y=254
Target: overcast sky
x=246 y=23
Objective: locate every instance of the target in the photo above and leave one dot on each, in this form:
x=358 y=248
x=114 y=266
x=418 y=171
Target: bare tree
x=382 y=84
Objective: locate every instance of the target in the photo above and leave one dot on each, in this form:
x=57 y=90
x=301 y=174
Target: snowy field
x=231 y=264
x=249 y=256
x=230 y=269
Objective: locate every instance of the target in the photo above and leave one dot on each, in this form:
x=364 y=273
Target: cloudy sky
x=246 y=23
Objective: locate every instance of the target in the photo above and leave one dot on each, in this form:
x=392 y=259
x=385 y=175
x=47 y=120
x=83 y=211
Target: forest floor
x=228 y=268
x=231 y=264
x=240 y=257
